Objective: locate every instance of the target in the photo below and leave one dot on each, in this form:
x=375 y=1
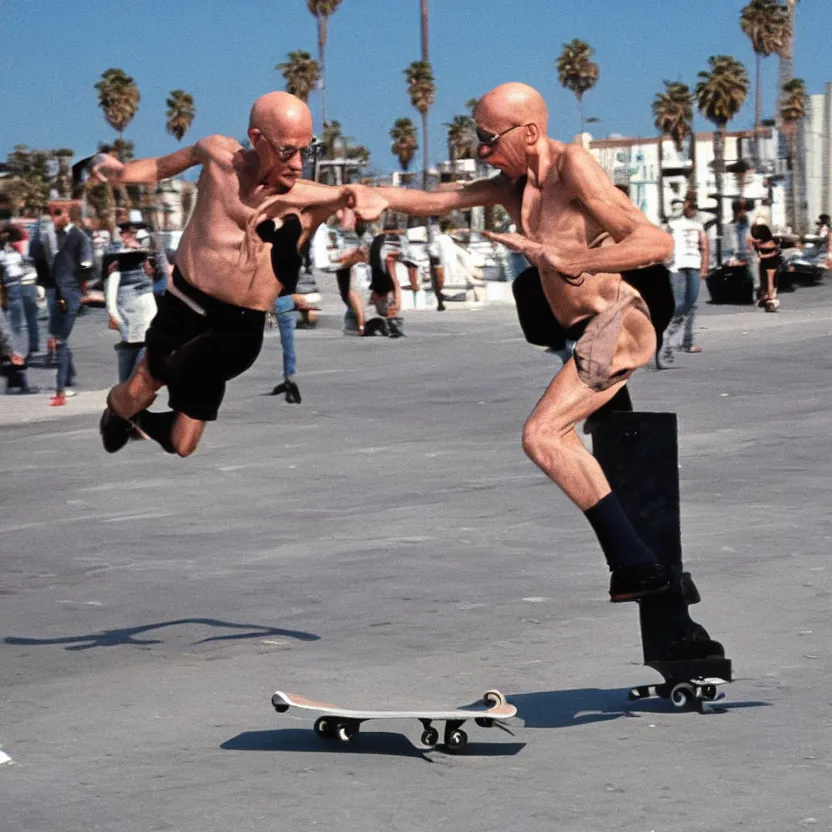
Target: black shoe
x=632 y=583
x=694 y=645
x=115 y=430
x=280 y=389
x=292 y=392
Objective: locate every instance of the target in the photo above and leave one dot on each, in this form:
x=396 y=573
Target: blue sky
x=223 y=53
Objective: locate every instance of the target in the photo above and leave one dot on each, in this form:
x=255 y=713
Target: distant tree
x=673 y=114
x=792 y=111
x=577 y=71
x=766 y=23
x=460 y=138
x=421 y=86
x=301 y=73
x=322 y=10
x=720 y=95
x=180 y=114
x=405 y=142
x=118 y=97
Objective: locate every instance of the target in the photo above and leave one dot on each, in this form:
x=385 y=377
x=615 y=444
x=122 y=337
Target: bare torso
x=550 y=213
x=218 y=252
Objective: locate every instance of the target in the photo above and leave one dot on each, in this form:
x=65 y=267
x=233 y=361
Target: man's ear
x=254 y=136
x=531 y=134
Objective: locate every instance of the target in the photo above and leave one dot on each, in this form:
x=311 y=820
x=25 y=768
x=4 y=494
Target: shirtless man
x=581 y=233
x=238 y=253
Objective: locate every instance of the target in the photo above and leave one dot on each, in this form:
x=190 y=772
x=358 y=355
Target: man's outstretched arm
x=428 y=203
x=107 y=168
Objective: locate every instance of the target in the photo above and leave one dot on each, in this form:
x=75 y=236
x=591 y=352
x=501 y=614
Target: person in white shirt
x=691 y=258
x=457 y=265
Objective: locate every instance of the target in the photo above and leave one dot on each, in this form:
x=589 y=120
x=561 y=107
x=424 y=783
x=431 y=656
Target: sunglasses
x=487 y=141
x=285 y=152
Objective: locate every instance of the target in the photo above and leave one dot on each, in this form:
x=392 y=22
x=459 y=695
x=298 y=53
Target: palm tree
x=425 y=30
x=405 y=141
x=471 y=104
x=421 y=86
x=673 y=112
x=181 y=112
x=322 y=10
x=786 y=52
x=460 y=138
x=766 y=23
x=577 y=72
x=720 y=95
x=792 y=110
x=118 y=97
x=301 y=73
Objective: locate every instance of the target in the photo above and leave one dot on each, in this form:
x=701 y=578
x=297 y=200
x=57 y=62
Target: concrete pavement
x=387 y=542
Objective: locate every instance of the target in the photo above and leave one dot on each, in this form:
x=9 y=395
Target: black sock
x=158 y=426
x=619 y=541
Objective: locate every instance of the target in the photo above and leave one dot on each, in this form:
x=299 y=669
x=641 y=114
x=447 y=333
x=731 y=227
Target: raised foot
x=115 y=430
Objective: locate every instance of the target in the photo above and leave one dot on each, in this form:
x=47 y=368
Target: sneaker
x=695 y=348
x=632 y=583
x=115 y=431
x=70 y=393
x=58 y=400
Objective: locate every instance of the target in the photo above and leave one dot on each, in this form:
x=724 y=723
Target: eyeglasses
x=488 y=141
x=285 y=152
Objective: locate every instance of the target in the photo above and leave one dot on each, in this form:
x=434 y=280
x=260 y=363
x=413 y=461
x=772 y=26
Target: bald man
x=238 y=253
x=580 y=233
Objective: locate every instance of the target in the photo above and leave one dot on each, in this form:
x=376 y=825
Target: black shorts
x=195 y=348
x=769 y=264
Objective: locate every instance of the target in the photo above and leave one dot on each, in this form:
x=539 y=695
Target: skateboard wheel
x=430 y=737
x=493 y=698
x=456 y=740
x=709 y=692
x=325 y=728
x=682 y=695
x=484 y=721
x=279 y=705
x=346 y=732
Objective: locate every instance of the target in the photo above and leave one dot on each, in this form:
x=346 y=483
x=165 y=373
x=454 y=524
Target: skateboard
x=337 y=723
x=697 y=693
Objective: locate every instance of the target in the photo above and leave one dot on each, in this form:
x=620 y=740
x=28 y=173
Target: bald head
x=279 y=114
x=511 y=104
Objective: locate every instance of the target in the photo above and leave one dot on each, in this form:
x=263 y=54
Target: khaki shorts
x=595 y=352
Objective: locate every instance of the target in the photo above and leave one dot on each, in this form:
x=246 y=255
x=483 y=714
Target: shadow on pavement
x=581 y=706
x=367 y=742
x=128 y=635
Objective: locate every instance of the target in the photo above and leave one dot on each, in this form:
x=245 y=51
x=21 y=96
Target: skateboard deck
x=343 y=724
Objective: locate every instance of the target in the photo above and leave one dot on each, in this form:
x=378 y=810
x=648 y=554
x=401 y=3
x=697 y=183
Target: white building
x=817 y=139
x=634 y=163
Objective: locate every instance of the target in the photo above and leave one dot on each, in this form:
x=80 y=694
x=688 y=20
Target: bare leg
x=357 y=307
x=135 y=394
x=550 y=440
x=549 y=437
x=413 y=274
x=186 y=434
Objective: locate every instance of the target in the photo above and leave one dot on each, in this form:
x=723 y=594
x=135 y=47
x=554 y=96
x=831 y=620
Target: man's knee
x=542 y=440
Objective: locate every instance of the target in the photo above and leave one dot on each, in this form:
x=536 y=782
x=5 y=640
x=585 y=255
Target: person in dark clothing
x=70 y=268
